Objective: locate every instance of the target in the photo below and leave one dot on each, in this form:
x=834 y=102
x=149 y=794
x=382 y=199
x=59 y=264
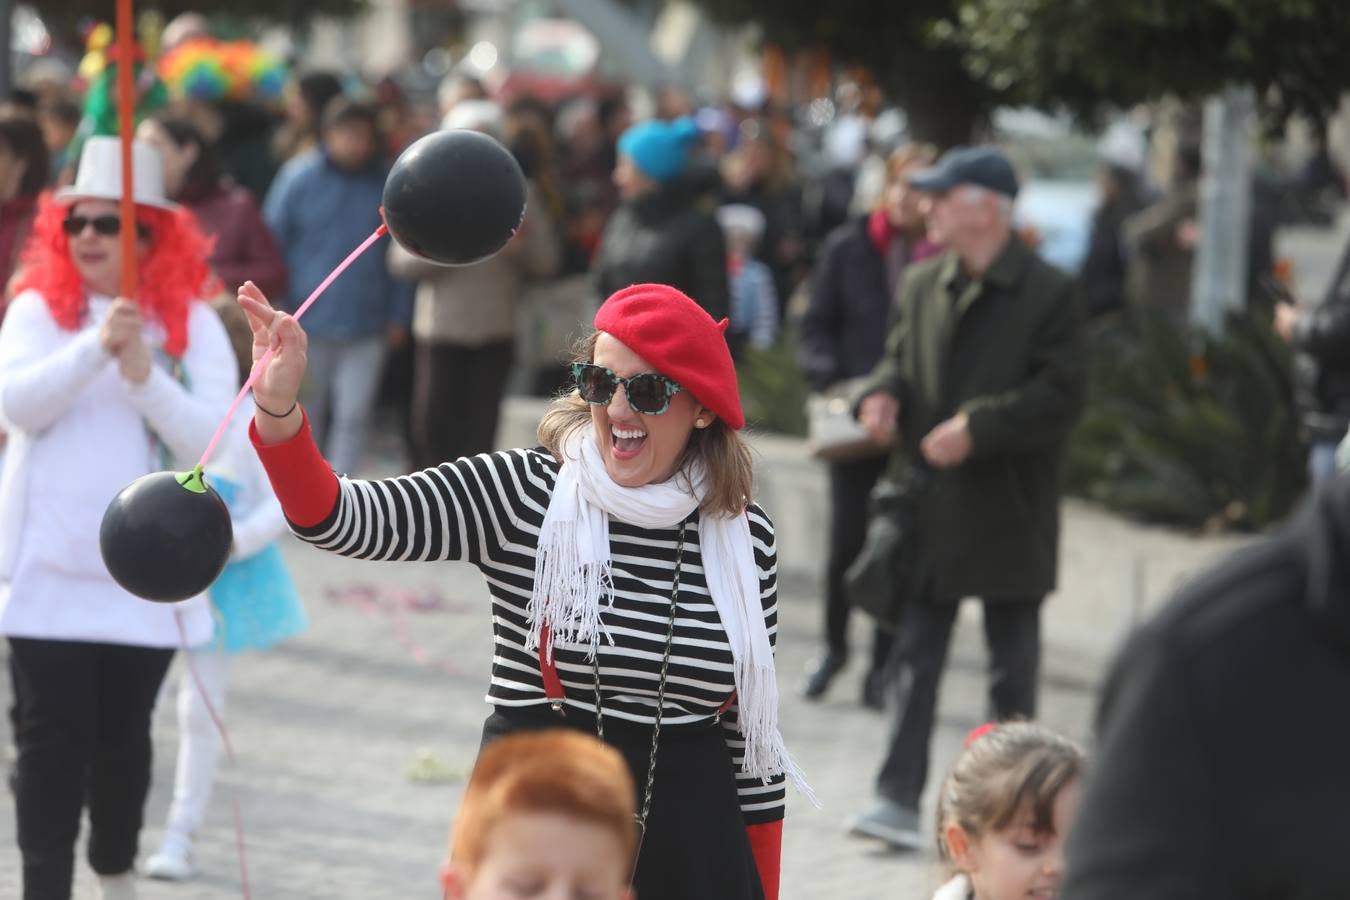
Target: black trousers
x=850 y=487
x=457 y=400
x=84 y=739
x=696 y=846
x=1012 y=631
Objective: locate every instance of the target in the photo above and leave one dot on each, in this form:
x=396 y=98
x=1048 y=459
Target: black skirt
x=696 y=846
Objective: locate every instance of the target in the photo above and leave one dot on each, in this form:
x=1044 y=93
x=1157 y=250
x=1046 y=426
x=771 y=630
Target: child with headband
x=1005 y=810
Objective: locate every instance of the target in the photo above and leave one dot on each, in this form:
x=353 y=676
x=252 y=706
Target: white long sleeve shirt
x=78 y=434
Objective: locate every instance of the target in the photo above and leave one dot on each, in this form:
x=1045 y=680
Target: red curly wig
x=172 y=274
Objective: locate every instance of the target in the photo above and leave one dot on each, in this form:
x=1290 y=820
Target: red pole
x=126 y=123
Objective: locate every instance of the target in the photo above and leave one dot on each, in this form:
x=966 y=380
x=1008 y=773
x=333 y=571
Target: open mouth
x=628 y=442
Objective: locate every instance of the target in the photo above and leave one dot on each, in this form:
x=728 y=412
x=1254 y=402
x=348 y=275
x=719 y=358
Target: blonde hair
x=238 y=330
x=552 y=771
x=722 y=450
x=906 y=156
x=1001 y=770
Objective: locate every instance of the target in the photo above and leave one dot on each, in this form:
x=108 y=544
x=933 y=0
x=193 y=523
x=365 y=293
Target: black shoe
x=820 y=673
x=874 y=690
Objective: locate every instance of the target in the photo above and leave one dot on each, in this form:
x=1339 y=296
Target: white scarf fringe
x=572 y=583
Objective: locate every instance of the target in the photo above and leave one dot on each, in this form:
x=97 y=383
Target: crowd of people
x=633 y=578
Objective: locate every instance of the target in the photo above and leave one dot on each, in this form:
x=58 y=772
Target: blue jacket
x=319 y=214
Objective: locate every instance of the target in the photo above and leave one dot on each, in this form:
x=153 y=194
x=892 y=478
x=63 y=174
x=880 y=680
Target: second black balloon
x=454 y=197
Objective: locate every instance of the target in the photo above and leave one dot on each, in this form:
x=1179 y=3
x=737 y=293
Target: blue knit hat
x=660 y=149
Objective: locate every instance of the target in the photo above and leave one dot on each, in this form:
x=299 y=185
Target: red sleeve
x=766 y=842
x=301 y=478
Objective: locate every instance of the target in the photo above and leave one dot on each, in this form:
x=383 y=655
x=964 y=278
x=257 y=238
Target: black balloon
x=166 y=536
x=454 y=197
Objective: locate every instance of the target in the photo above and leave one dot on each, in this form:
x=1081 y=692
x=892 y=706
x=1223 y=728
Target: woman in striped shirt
x=633 y=581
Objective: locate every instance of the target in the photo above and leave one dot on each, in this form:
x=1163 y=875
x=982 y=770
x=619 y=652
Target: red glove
x=302 y=479
x=766 y=842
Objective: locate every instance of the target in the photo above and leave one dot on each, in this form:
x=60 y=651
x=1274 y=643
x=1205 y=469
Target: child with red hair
x=96 y=390
x=546 y=813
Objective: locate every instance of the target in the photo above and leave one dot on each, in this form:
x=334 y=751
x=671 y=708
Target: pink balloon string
x=261 y=364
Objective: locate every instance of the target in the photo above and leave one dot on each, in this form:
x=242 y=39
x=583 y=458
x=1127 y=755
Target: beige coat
x=470 y=306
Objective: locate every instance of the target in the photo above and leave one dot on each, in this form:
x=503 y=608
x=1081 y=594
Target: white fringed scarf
x=572 y=581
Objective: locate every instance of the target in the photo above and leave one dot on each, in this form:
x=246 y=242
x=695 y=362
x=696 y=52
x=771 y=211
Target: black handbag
x=884 y=571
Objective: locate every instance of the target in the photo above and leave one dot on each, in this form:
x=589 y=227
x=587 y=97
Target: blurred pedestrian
x=1222 y=732
x=112 y=388
x=982 y=381
x=456 y=87
x=23 y=176
x=660 y=234
x=243 y=247
x=586 y=153
x=754 y=302
x=465 y=322
x=59 y=119
x=843 y=338
x=759 y=173
x=1120 y=184
x=321 y=206
x=527 y=130
x=307 y=98
x=1161 y=242
x=1320 y=337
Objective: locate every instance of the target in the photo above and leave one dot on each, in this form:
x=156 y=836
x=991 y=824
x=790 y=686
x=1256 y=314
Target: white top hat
x=100 y=174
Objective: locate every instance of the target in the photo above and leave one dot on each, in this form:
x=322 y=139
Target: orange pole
x=126 y=122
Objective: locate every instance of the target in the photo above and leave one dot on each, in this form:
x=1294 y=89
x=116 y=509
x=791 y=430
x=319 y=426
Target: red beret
x=680 y=339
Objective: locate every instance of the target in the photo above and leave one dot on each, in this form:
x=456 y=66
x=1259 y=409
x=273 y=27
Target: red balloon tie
x=267 y=357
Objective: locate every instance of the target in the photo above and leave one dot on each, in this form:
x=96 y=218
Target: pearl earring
x=698 y=423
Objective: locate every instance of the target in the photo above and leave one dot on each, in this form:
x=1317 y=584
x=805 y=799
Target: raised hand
x=277 y=387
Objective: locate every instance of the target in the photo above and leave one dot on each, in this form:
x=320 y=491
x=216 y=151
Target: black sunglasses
x=108 y=226
x=648 y=393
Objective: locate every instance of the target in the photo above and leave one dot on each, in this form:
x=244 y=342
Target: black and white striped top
x=488 y=510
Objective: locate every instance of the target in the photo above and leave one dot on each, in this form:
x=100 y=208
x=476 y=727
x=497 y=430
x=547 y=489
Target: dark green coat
x=1008 y=350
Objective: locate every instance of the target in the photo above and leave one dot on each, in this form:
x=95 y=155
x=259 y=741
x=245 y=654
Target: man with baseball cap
x=983 y=377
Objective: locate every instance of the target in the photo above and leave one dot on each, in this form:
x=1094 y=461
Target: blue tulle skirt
x=256 y=603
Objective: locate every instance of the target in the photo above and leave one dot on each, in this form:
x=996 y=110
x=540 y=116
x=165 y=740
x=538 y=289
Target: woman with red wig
x=96 y=390
x=633 y=579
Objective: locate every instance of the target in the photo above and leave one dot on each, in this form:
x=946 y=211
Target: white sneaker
x=116 y=887
x=173 y=861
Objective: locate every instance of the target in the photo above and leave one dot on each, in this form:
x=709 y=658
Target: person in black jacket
x=1102 y=278
x=1224 y=731
x=660 y=233
x=1322 y=368
x=843 y=336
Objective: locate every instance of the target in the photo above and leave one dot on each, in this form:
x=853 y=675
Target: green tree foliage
x=949 y=62
x=1189 y=430
x=1087 y=54
x=895 y=39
